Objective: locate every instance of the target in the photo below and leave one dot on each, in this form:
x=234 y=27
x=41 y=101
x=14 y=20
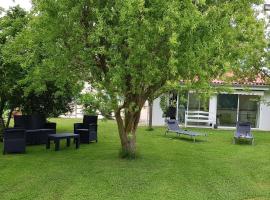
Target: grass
x=168 y=167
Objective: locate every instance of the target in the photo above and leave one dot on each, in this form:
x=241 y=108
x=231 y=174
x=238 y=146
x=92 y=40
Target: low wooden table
x=57 y=137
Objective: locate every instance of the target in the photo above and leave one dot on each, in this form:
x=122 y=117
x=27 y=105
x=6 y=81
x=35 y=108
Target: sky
x=26 y=4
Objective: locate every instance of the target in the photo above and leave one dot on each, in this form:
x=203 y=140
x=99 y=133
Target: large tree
x=22 y=82
x=131 y=49
x=12 y=23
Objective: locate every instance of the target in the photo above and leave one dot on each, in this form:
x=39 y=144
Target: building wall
x=264 y=114
x=76 y=113
x=213 y=108
x=158 y=120
x=144 y=115
x=264 y=111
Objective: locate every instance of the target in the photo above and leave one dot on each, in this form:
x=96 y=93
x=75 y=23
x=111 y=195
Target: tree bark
x=2 y=106
x=2 y=126
x=2 y=122
x=150 y=122
x=9 y=117
x=127 y=128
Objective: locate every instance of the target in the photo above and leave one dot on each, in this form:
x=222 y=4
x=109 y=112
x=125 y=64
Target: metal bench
x=198 y=117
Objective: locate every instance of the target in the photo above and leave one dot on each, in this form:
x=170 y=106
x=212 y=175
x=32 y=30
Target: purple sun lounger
x=243 y=132
x=173 y=126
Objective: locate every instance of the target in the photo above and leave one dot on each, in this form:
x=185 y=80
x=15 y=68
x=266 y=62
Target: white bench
x=198 y=116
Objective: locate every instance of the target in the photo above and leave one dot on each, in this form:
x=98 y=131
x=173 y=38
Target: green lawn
x=168 y=167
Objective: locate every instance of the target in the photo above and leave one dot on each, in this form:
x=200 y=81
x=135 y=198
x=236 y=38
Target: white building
x=224 y=109
x=247 y=102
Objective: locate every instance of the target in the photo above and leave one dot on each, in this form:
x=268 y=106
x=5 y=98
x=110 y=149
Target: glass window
x=227 y=109
x=182 y=106
x=248 y=109
x=194 y=102
x=228 y=112
x=197 y=103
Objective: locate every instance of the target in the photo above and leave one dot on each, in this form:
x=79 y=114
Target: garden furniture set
x=35 y=130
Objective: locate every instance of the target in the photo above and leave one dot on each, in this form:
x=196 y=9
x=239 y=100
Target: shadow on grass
x=244 y=143
x=185 y=139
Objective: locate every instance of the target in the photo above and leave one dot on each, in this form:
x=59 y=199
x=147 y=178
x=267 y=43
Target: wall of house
x=144 y=118
x=213 y=108
x=158 y=120
x=76 y=113
x=264 y=113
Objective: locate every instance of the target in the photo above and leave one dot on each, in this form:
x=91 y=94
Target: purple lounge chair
x=243 y=132
x=173 y=126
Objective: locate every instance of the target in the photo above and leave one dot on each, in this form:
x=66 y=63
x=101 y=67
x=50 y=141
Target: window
x=233 y=107
x=248 y=109
x=197 y=103
x=227 y=109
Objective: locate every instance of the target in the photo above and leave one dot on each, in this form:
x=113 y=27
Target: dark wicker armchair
x=14 y=141
x=87 y=130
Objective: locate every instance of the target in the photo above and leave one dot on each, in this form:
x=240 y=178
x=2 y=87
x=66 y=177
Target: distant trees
x=23 y=84
x=10 y=72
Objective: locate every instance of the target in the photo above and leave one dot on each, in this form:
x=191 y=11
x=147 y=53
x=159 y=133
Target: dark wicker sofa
x=36 y=128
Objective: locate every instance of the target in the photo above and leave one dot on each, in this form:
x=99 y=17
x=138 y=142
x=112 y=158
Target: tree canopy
x=23 y=84
x=10 y=72
x=130 y=50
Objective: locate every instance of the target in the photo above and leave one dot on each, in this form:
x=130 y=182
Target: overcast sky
x=26 y=4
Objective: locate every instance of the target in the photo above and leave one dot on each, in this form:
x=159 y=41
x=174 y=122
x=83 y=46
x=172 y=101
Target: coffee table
x=57 y=137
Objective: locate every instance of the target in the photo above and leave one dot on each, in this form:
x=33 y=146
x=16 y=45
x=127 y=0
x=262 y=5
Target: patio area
x=168 y=167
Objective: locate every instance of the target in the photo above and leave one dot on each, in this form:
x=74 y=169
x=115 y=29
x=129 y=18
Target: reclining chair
x=243 y=132
x=173 y=126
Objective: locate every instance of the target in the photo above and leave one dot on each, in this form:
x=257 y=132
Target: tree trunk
x=150 y=122
x=2 y=127
x=127 y=128
x=2 y=122
x=9 y=117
